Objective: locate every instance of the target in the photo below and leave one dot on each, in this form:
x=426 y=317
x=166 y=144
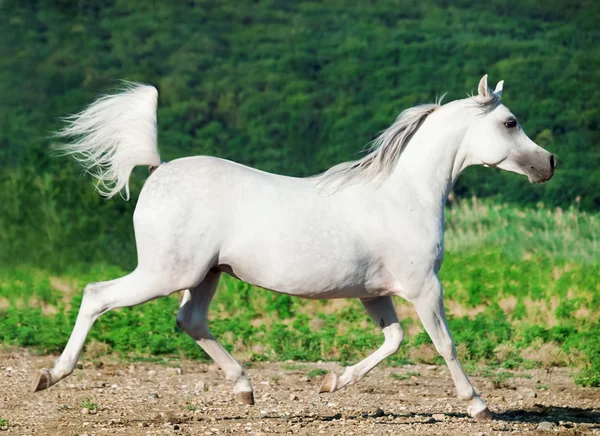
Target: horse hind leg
x=136 y=288
x=192 y=318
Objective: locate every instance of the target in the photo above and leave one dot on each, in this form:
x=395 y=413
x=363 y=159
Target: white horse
x=369 y=229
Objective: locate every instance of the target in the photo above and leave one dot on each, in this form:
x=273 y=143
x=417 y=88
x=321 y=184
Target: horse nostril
x=553 y=162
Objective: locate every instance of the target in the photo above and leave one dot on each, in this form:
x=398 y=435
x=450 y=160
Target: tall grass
x=521 y=232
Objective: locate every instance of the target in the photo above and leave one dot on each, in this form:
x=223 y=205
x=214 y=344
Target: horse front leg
x=381 y=310
x=430 y=307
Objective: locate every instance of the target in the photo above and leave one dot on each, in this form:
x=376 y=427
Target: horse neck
x=433 y=158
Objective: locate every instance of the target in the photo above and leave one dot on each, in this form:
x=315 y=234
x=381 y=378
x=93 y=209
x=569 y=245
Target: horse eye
x=510 y=124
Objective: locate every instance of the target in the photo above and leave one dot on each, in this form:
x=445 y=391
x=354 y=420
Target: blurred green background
x=292 y=87
x=295 y=87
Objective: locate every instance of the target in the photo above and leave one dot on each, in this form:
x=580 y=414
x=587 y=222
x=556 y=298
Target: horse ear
x=498 y=89
x=482 y=89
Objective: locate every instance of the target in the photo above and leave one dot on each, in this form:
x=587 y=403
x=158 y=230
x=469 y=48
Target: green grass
x=497 y=377
x=316 y=372
x=190 y=406
x=293 y=366
x=4 y=424
x=521 y=291
x=88 y=403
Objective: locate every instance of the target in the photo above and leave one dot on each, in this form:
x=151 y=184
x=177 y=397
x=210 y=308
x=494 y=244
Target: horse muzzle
x=542 y=170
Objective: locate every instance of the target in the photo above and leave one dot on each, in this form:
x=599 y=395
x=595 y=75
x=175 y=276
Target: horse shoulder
x=412 y=250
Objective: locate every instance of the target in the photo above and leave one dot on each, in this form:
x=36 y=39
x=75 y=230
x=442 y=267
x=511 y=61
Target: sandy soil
x=190 y=398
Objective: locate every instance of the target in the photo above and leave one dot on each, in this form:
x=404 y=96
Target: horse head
x=496 y=139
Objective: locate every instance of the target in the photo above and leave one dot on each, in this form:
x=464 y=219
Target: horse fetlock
x=242 y=384
x=349 y=377
x=465 y=395
x=235 y=374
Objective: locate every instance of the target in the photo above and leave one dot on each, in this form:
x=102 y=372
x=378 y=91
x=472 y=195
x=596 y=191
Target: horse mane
x=384 y=151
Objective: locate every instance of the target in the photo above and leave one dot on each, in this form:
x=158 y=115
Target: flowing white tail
x=113 y=135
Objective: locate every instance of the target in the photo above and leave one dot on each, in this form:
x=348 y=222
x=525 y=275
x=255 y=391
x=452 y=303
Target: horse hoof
x=41 y=381
x=329 y=383
x=246 y=398
x=484 y=415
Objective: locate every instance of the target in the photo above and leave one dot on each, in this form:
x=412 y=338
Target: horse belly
x=298 y=286
x=307 y=274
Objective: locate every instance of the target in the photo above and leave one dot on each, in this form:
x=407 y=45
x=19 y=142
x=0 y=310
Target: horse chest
x=415 y=237
x=410 y=255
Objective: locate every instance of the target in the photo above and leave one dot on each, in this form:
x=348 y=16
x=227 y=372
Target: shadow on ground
x=539 y=413
x=536 y=414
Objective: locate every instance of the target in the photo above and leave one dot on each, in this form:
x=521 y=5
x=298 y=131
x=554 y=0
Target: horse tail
x=113 y=135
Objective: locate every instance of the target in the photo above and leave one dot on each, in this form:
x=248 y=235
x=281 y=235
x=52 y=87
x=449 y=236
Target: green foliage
x=288 y=87
x=293 y=367
x=190 y=406
x=88 y=403
x=482 y=334
x=587 y=344
x=316 y=372
x=497 y=377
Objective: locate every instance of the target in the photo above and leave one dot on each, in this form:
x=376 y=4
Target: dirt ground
x=190 y=398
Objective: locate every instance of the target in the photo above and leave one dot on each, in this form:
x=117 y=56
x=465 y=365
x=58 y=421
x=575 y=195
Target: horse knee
x=90 y=290
x=394 y=335
x=92 y=302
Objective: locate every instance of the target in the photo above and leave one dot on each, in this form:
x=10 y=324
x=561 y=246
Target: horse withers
x=369 y=229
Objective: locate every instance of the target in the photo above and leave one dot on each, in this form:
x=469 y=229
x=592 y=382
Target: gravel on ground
x=106 y=396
